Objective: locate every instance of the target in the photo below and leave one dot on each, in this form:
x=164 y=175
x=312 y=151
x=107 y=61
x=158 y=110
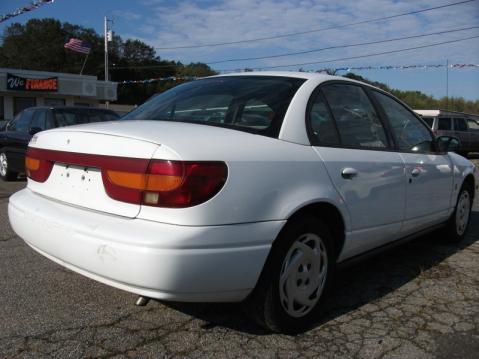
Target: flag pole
x=84 y=62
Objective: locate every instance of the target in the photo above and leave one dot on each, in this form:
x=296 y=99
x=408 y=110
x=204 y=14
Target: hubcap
x=303 y=275
x=3 y=164
x=463 y=211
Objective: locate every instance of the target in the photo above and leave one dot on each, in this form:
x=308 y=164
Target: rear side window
x=460 y=124
x=356 y=119
x=255 y=104
x=444 y=124
x=473 y=125
x=409 y=132
x=320 y=122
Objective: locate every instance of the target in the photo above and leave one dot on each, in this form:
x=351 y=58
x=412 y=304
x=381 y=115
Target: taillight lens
x=161 y=183
x=36 y=168
x=173 y=184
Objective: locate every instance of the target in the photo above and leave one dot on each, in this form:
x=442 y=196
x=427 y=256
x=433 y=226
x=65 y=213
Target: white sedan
x=250 y=187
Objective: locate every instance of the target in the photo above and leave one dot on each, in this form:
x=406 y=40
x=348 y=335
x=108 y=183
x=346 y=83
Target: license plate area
x=77 y=178
x=83 y=187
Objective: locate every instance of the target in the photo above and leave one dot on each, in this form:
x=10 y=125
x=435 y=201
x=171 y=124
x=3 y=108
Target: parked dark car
x=17 y=134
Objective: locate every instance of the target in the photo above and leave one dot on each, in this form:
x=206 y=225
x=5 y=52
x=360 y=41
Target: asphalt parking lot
x=419 y=301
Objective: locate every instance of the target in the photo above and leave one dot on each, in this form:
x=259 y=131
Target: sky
x=162 y=23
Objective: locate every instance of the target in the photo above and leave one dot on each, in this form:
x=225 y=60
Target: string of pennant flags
x=348 y=69
x=32 y=6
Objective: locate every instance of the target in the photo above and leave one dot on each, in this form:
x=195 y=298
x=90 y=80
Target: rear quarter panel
x=268 y=180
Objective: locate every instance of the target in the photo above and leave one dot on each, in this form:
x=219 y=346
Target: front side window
x=321 y=123
x=444 y=124
x=410 y=133
x=460 y=124
x=38 y=121
x=254 y=104
x=356 y=119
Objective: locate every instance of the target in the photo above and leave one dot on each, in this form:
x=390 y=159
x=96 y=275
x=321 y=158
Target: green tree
x=38 y=45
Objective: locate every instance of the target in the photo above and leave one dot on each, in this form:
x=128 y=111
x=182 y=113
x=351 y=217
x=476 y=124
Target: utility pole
x=447 y=84
x=108 y=37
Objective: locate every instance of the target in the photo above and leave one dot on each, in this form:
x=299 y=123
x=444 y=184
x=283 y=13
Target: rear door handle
x=415 y=172
x=349 y=173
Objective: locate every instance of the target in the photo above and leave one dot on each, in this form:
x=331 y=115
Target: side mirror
x=447 y=143
x=34 y=130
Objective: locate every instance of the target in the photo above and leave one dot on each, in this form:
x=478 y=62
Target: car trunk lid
x=76 y=176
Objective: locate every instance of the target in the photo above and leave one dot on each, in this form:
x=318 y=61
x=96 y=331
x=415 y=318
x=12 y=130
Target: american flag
x=77 y=45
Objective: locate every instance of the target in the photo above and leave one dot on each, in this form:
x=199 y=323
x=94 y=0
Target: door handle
x=349 y=173
x=415 y=172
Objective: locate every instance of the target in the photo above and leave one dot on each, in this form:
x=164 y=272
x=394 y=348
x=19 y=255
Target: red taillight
x=173 y=184
x=160 y=183
x=37 y=168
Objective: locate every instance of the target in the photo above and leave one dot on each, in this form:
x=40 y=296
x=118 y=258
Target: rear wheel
x=5 y=173
x=459 y=221
x=295 y=279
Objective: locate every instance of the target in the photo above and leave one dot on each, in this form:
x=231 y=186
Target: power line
x=361 y=56
x=341 y=46
x=315 y=30
x=309 y=51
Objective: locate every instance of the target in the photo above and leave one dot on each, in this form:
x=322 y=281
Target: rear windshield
x=254 y=104
x=429 y=121
x=69 y=117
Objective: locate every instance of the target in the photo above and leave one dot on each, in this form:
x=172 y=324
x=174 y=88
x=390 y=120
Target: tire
x=457 y=225
x=5 y=173
x=272 y=303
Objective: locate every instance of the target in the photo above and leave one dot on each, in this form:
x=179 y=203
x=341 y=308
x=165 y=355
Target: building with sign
x=20 y=89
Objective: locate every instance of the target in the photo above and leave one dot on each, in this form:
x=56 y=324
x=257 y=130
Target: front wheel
x=295 y=279
x=459 y=221
x=5 y=173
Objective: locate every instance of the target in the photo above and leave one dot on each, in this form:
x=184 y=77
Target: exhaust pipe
x=142 y=301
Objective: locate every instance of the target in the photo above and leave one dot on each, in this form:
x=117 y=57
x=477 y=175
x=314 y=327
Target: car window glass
x=38 y=120
x=321 y=123
x=255 y=104
x=357 y=121
x=22 y=124
x=50 y=122
x=69 y=117
x=429 y=121
x=473 y=125
x=460 y=124
x=255 y=114
x=410 y=133
x=444 y=124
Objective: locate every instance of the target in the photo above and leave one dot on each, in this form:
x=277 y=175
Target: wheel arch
x=333 y=218
x=470 y=180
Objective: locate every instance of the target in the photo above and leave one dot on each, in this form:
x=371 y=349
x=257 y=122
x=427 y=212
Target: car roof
x=314 y=76
x=69 y=108
x=294 y=74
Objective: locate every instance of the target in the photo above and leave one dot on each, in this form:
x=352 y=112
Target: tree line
x=38 y=45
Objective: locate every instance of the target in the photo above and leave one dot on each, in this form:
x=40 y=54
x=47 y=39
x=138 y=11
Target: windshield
x=69 y=117
x=254 y=104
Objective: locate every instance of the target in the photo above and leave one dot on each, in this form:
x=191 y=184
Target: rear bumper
x=163 y=261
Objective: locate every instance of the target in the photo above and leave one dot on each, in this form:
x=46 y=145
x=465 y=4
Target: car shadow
x=355 y=286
